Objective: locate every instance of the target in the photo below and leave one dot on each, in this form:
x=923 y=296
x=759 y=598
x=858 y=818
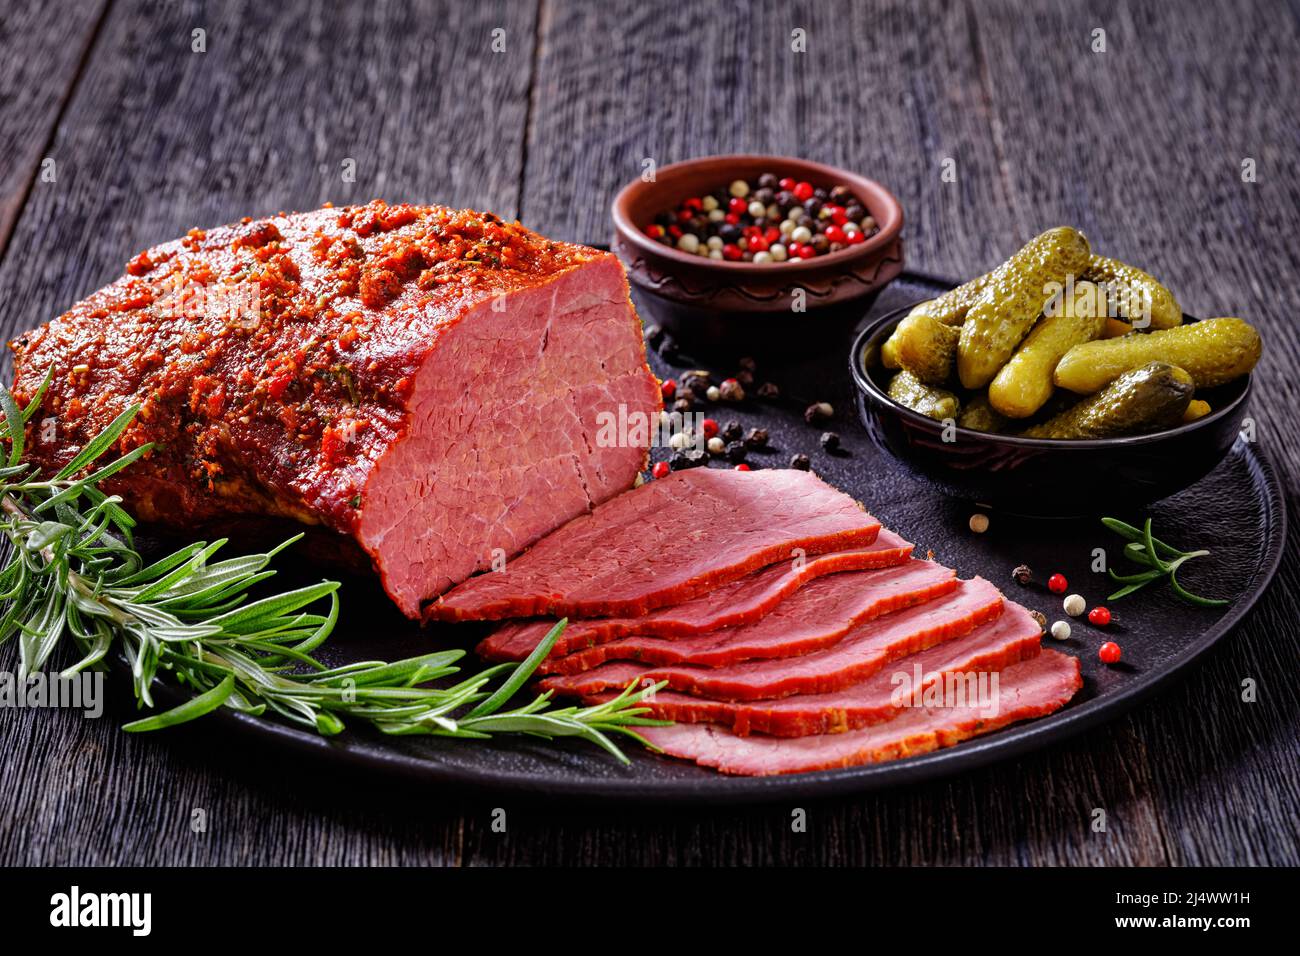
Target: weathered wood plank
x=41 y=51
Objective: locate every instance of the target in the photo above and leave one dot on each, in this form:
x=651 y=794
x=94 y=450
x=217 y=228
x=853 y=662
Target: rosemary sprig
x=1161 y=560
x=71 y=572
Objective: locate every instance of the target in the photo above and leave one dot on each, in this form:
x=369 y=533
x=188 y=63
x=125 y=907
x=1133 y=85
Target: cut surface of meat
x=740 y=602
x=855 y=657
x=814 y=617
x=950 y=668
x=429 y=383
x=666 y=542
x=1033 y=688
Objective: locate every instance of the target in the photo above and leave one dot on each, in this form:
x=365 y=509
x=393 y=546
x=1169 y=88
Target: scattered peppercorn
x=801 y=462
x=717 y=446
x=743 y=467
x=696 y=382
x=732 y=432
x=660 y=470
x=1099 y=616
x=818 y=412
x=1109 y=653
x=731 y=391
x=1057 y=584
x=769 y=391
x=830 y=441
x=1040 y=617
x=669 y=388
x=709 y=427
x=1074 y=605
x=689 y=458
x=757 y=438
x=736 y=452
x=979 y=523
x=1061 y=630
x=713 y=393
x=1022 y=574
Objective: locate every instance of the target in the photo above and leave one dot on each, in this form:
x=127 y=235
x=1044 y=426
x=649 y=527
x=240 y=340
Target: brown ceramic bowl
x=741 y=307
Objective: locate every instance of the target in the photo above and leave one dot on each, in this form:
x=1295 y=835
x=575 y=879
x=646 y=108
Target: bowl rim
x=889 y=228
x=869 y=388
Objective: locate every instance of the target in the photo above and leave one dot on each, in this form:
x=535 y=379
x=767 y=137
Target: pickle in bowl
x=1146 y=399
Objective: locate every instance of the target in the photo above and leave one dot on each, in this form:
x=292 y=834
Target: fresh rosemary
x=71 y=571
x=1160 y=559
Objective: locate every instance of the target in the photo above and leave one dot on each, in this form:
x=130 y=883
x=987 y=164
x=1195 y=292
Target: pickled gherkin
x=1013 y=299
x=1214 y=352
x=978 y=415
x=951 y=307
x=925 y=347
x=906 y=389
x=1139 y=298
x=1024 y=384
x=1144 y=399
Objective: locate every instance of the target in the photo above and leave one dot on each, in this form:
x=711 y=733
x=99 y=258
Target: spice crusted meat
x=426 y=381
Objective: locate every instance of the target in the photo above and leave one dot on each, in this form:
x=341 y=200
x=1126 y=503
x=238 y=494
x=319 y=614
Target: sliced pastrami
x=1030 y=689
x=664 y=543
x=947 y=668
x=859 y=654
x=731 y=605
x=816 y=616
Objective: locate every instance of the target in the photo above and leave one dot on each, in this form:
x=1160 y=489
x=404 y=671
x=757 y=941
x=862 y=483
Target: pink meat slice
x=732 y=604
x=816 y=616
x=1012 y=638
x=859 y=654
x=1034 y=688
x=666 y=542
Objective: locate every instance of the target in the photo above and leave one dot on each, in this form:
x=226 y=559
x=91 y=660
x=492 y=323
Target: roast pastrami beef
x=664 y=543
x=815 y=617
x=740 y=602
x=1032 y=688
x=1013 y=637
x=861 y=652
x=428 y=382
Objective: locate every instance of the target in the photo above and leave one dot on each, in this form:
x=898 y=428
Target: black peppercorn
x=830 y=441
x=732 y=432
x=854 y=212
x=769 y=390
x=812 y=207
x=757 y=438
x=841 y=195
x=736 y=452
x=1022 y=574
x=818 y=412
x=688 y=458
x=683 y=405
x=821 y=244
x=765 y=195
x=768 y=181
x=800 y=462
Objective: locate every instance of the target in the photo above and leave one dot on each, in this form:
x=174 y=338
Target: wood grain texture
x=1140 y=146
x=41 y=54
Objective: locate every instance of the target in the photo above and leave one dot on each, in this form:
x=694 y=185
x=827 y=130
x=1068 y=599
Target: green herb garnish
x=1160 y=559
x=72 y=571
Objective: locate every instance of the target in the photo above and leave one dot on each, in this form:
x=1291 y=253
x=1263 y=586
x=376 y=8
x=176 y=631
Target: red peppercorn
x=731 y=252
x=855 y=237
x=669 y=388
x=654 y=231
x=787 y=184
x=803 y=191
x=758 y=244
x=675 y=231
x=709 y=427
x=684 y=215
x=737 y=205
x=660 y=470
x=1099 y=616
x=1057 y=584
x=772 y=235
x=693 y=203
x=732 y=218
x=835 y=234
x=838 y=215
x=742 y=467
x=806 y=251
x=749 y=232
x=1109 y=653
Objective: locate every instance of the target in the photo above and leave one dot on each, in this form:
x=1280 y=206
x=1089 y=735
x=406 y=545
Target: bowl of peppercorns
x=751 y=253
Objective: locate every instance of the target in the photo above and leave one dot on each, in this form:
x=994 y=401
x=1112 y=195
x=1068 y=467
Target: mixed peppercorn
x=771 y=219
x=1074 y=605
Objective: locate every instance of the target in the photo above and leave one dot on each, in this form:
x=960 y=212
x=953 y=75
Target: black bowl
x=1037 y=476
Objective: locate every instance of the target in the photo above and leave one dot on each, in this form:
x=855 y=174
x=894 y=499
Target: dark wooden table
x=118 y=131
